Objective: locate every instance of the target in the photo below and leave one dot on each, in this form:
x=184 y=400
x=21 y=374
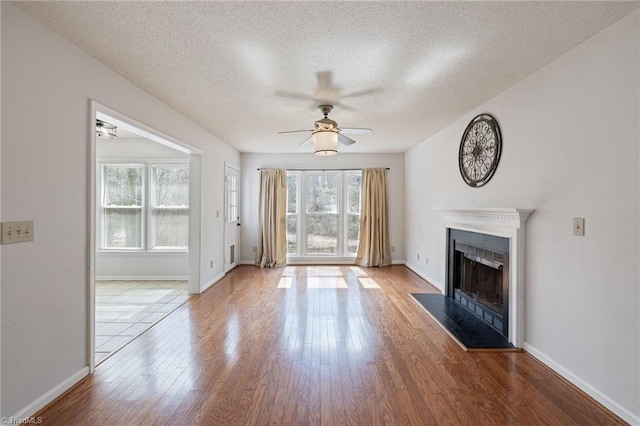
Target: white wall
x=47 y=85
x=570 y=148
x=135 y=148
x=149 y=265
x=251 y=188
x=142 y=266
x=0 y=221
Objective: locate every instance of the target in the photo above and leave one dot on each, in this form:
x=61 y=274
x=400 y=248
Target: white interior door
x=231 y=217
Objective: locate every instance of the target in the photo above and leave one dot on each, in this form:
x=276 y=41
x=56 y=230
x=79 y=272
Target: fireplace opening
x=481 y=279
x=478 y=276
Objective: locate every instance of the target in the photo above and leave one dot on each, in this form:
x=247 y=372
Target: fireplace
x=498 y=244
x=479 y=276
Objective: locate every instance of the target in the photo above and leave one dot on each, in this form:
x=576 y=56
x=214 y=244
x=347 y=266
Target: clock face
x=480 y=150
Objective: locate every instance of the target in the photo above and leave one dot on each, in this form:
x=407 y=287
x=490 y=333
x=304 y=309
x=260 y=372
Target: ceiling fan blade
x=294 y=95
x=357 y=130
x=364 y=92
x=295 y=131
x=342 y=106
x=305 y=141
x=345 y=140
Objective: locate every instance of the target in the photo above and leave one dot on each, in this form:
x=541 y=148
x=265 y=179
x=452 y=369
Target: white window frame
x=148 y=237
x=298 y=176
x=302 y=215
x=345 y=216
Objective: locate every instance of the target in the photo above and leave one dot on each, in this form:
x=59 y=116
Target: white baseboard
x=590 y=390
x=427 y=278
x=398 y=262
x=142 y=278
x=319 y=260
x=51 y=395
x=212 y=282
x=247 y=262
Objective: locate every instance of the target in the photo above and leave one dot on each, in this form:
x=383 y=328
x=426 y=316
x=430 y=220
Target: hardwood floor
x=316 y=345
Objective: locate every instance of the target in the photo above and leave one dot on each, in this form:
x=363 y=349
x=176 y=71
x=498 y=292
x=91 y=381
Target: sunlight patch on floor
x=289 y=271
x=285 y=282
x=326 y=282
x=327 y=277
x=324 y=271
x=363 y=278
x=358 y=272
x=368 y=283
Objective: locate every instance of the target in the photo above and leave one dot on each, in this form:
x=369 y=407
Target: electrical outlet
x=426 y=260
x=578 y=226
x=255 y=249
x=17 y=232
x=418 y=256
x=393 y=249
x=211 y=264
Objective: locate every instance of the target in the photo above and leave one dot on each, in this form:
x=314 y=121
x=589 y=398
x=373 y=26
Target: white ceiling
x=246 y=70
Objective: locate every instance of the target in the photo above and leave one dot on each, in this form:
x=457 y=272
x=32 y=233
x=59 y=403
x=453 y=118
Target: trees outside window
x=354 y=187
x=170 y=207
x=122 y=206
x=144 y=206
x=323 y=213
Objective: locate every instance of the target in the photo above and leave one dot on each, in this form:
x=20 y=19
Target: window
x=327 y=223
x=170 y=207
x=322 y=213
x=122 y=206
x=144 y=206
x=292 y=213
x=232 y=198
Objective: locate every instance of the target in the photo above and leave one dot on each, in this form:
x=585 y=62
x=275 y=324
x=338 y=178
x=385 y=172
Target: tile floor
x=125 y=309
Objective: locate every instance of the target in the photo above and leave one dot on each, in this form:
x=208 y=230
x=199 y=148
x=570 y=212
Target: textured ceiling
x=246 y=70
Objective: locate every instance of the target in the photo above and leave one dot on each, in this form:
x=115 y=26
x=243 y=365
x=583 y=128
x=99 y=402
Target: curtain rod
x=325 y=170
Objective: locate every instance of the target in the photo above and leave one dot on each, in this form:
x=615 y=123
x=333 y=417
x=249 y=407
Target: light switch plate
x=17 y=232
x=578 y=226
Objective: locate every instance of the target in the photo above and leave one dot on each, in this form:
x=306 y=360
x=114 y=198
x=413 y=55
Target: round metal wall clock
x=480 y=149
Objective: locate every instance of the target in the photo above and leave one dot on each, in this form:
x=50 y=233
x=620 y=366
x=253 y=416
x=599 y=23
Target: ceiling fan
x=326 y=134
x=328 y=92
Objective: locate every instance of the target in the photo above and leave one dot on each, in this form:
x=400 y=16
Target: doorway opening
x=145 y=226
x=231 y=217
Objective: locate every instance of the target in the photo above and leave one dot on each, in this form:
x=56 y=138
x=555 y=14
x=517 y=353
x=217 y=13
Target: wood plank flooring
x=316 y=345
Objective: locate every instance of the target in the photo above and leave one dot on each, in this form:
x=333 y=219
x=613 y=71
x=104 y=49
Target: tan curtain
x=272 y=238
x=374 y=248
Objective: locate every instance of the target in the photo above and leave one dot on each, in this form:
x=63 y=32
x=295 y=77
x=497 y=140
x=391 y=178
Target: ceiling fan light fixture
x=325 y=142
x=106 y=130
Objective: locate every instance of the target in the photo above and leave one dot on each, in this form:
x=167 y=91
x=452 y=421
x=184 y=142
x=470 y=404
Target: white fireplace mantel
x=502 y=222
